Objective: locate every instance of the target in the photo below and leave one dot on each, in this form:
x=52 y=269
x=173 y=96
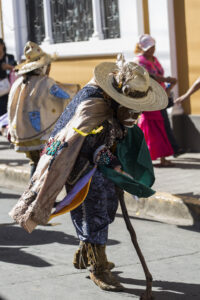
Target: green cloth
x=135 y=159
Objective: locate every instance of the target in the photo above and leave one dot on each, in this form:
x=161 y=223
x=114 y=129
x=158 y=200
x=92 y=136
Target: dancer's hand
x=118 y=169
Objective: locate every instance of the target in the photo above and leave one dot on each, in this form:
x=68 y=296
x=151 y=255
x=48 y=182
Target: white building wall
x=15 y=32
x=14 y=26
x=159 y=29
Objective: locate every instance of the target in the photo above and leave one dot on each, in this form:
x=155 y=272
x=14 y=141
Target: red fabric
x=156 y=137
x=152 y=123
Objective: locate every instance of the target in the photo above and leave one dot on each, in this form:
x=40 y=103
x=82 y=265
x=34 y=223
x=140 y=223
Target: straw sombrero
x=35 y=59
x=130 y=85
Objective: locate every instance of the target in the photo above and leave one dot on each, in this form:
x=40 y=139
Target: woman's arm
x=195 y=87
x=5 y=67
x=168 y=79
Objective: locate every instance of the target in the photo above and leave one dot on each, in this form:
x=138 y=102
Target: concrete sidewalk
x=177 y=198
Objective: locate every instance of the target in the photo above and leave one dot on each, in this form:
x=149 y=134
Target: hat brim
x=28 y=66
x=155 y=100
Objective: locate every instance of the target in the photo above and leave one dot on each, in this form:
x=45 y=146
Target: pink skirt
x=152 y=125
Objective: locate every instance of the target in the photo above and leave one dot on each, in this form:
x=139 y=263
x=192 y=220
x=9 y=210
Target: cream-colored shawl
x=31 y=98
x=35 y=205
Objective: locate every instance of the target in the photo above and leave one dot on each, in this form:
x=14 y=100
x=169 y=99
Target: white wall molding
x=47 y=23
x=172 y=42
x=140 y=16
x=96 y=11
x=15 y=27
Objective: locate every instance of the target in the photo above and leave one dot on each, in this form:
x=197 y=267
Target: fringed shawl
x=86 y=111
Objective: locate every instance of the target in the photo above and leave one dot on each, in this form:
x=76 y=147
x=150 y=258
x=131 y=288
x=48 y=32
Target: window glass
x=72 y=20
x=110 y=19
x=35 y=20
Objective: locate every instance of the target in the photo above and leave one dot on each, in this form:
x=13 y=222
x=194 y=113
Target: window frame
x=95 y=46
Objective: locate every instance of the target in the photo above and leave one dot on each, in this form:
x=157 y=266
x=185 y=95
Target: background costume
x=35 y=104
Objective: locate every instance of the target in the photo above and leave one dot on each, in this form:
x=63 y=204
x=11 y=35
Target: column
x=96 y=9
x=142 y=16
x=47 y=23
x=177 y=10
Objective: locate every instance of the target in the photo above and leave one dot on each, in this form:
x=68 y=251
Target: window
x=35 y=20
x=110 y=19
x=72 y=20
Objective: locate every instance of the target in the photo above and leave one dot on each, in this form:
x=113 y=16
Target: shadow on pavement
x=18 y=256
x=187 y=163
x=6 y=142
x=5 y=145
x=16 y=236
x=189 y=195
x=166 y=290
x=195 y=227
x=14 y=162
x=9 y=196
x=187 y=159
x=119 y=215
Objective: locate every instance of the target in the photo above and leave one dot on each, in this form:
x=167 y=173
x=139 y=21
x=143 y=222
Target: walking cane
x=147 y=295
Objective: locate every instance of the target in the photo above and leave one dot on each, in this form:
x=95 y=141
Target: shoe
x=179 y=152
x=106 y=281
x=99 y=272
x=80 y=260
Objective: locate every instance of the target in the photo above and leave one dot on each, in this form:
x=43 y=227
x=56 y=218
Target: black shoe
x=180 y=151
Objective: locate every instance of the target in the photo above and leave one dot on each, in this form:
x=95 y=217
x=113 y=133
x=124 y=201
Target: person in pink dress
x=152 y=123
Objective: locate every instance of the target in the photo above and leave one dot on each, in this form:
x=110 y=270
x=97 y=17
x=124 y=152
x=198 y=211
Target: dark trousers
x=3 y=104
x=92 y=218
x=169 y=131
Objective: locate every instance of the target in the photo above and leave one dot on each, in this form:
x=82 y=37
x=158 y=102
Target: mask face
x=127 y=117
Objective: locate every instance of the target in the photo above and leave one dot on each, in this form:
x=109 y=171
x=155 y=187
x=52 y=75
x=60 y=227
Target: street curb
x=165 y=207
x=14 y=176
x=162 y=206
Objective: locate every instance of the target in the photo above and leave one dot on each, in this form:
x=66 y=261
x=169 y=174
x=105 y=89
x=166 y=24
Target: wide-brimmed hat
x=35 y=59
x=146 y=42
x=130 y=85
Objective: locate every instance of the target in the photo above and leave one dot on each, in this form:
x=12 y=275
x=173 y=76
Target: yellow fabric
x=94 y=131
x=78 y=199
x=30 y=143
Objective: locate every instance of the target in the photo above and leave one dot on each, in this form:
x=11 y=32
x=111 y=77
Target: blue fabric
x=56 y=91
x=34 y=117
x=92 y=218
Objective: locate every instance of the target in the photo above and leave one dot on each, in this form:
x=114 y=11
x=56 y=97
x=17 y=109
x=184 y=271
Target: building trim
x=181 y=48
x=1 y=20
x=145 y=7
x=172 y=43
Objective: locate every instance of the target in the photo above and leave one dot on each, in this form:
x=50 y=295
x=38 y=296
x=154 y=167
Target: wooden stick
x=148 y=293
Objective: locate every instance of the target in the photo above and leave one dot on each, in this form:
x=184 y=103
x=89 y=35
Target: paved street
x=182 y=179
x=38 y=266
